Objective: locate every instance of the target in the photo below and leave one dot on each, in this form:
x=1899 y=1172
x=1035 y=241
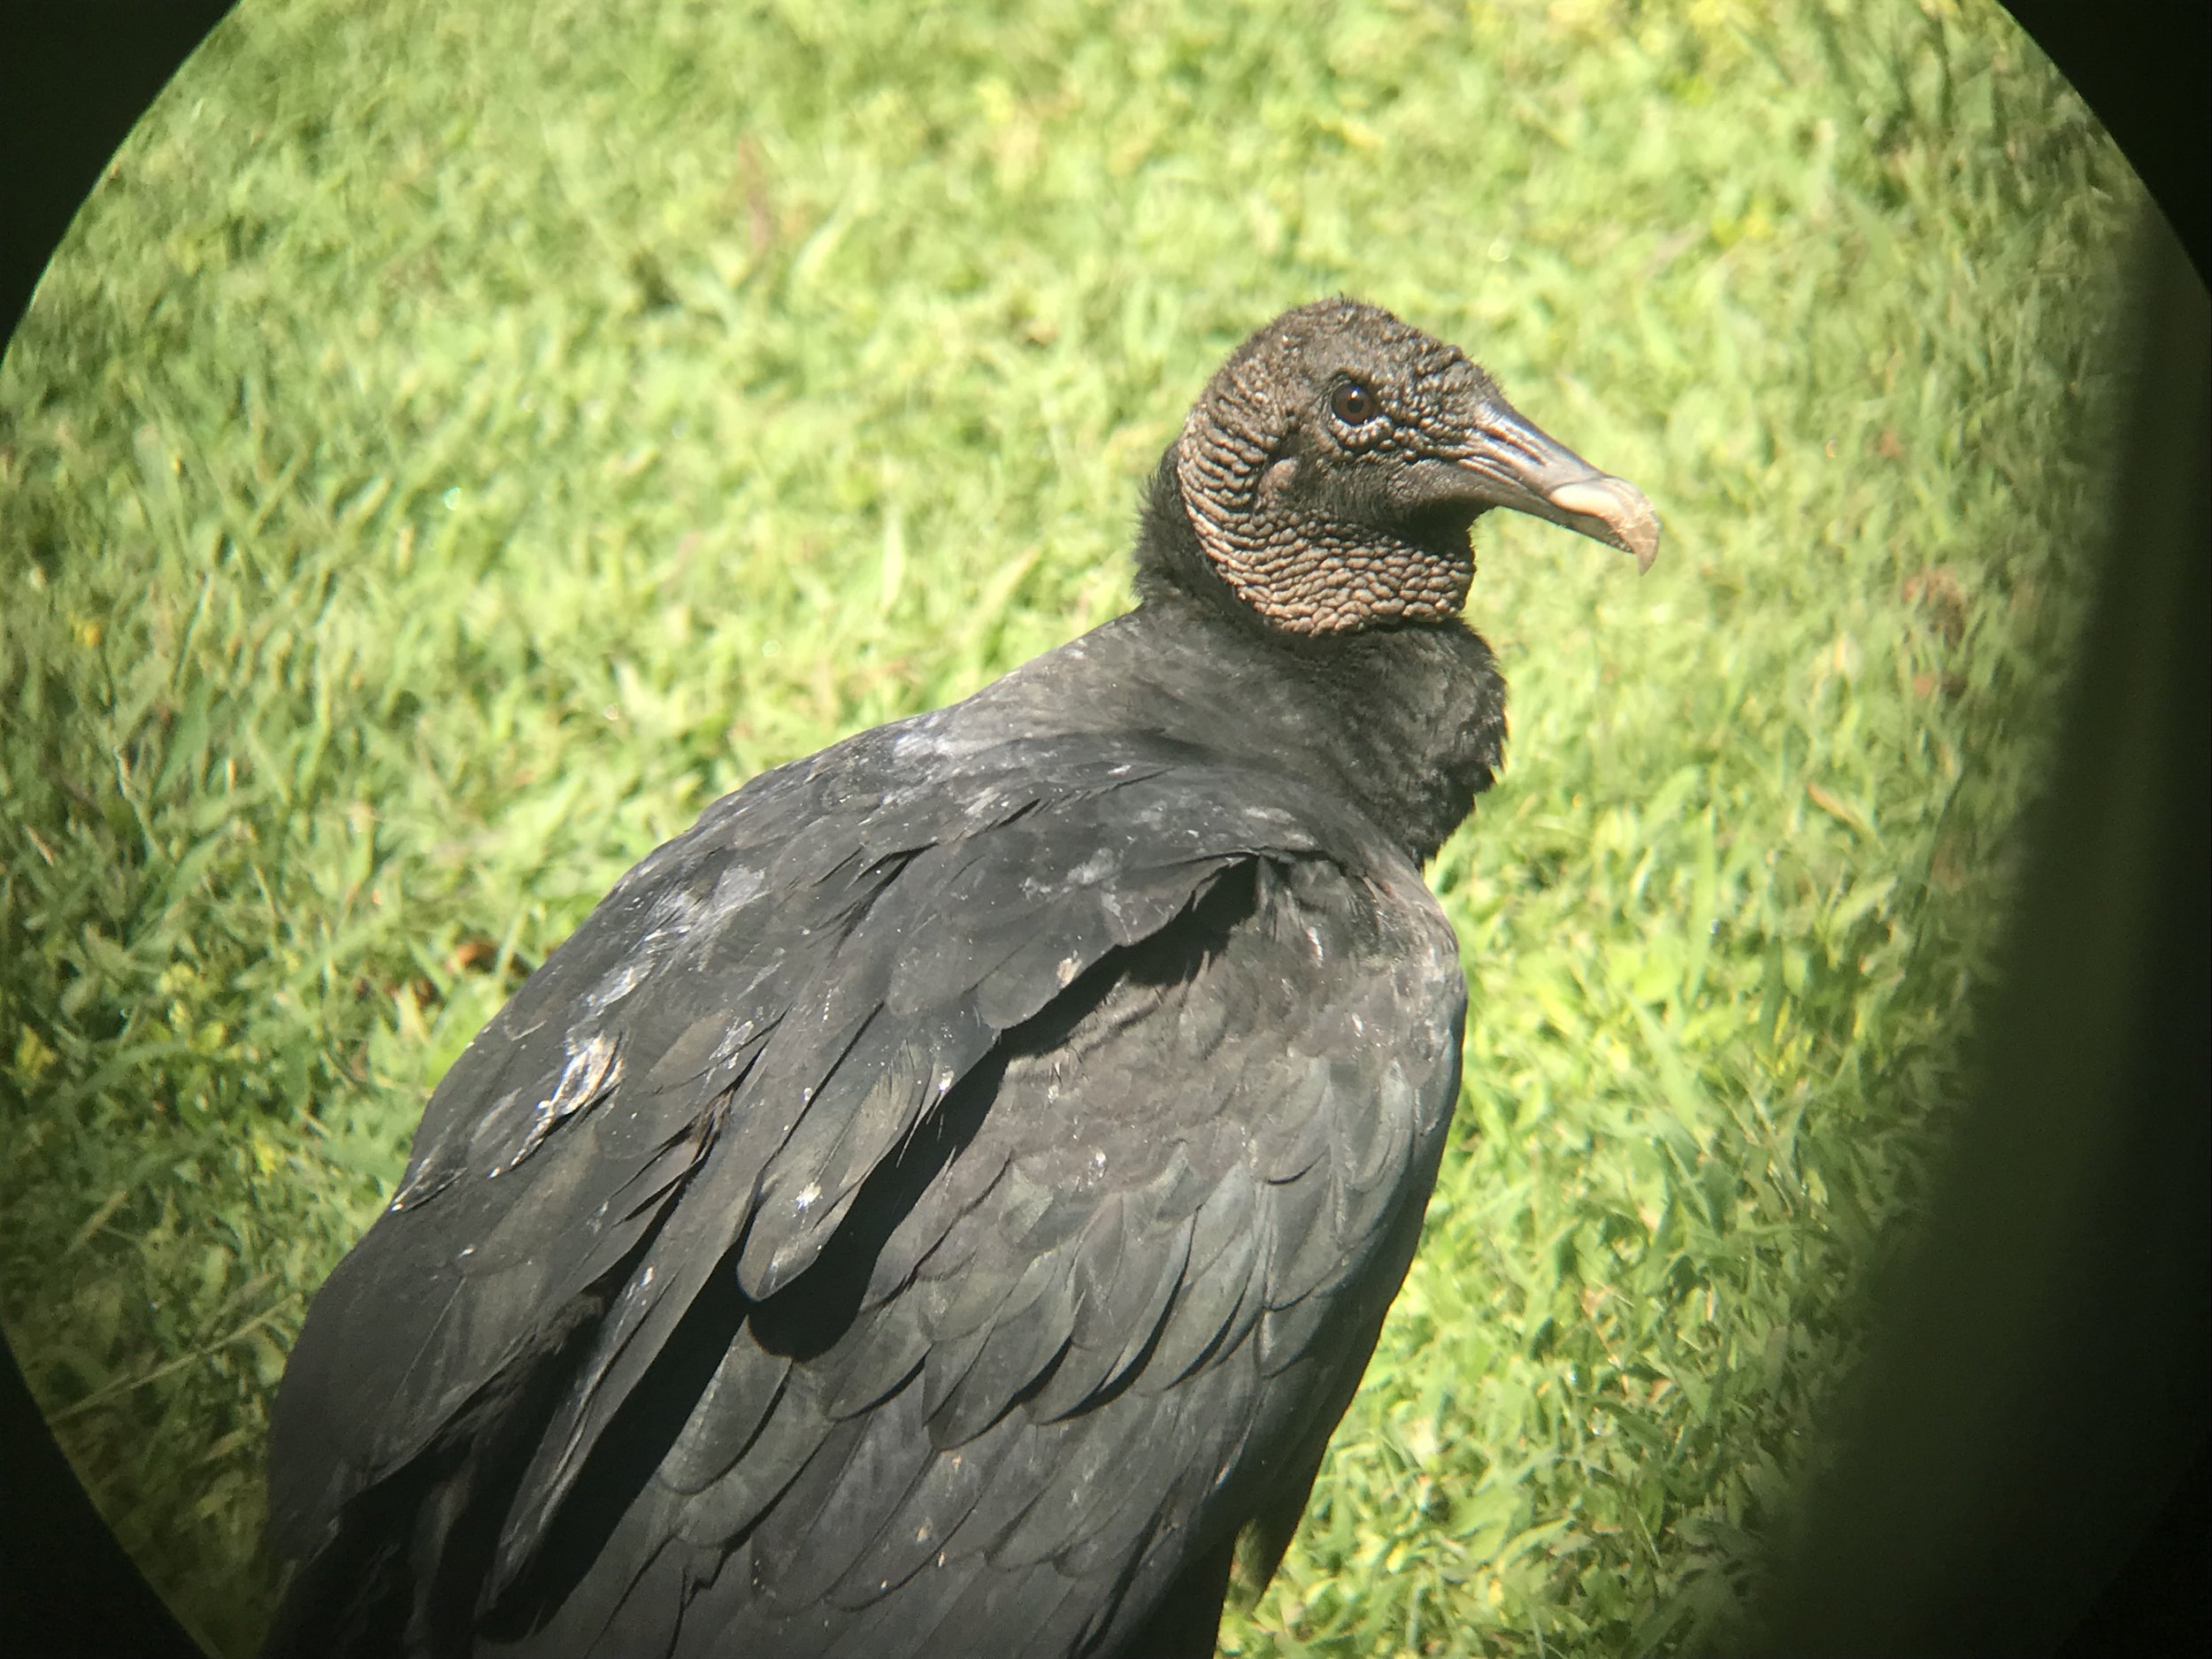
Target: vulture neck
x=1407 y=721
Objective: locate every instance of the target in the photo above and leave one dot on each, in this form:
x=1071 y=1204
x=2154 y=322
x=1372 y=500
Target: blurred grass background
x=457 y=442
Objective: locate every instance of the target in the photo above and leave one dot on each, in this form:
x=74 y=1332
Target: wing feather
x=959 y=993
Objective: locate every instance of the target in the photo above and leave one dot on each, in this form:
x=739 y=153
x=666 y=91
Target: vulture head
x=1331 y=471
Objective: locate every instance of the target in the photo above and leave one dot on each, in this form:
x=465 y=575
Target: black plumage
x=935 y=1204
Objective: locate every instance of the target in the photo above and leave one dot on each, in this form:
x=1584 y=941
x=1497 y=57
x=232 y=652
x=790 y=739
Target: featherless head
x=1333 y=467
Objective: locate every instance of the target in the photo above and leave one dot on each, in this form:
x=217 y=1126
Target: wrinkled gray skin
x=935 y=1204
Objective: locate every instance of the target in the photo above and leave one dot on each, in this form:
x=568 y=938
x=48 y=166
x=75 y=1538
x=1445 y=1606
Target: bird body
x=939 y=1201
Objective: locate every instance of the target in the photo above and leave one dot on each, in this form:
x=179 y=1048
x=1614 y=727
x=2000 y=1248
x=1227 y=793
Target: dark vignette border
x=73 y=78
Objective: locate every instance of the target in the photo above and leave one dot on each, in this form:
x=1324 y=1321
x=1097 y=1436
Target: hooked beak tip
x=1621 y=514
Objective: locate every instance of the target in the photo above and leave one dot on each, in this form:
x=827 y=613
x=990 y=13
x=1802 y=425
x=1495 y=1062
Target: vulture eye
x=1353 y=403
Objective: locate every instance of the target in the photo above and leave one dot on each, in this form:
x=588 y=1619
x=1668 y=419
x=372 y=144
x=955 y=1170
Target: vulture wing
x=916 y=1192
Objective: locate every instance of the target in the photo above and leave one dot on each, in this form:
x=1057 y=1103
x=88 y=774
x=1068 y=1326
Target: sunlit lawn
x=461 y=441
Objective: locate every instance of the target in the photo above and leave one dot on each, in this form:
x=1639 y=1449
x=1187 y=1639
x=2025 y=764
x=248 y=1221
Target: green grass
x=459 y=442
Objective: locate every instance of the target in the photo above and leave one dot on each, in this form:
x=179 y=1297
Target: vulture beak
x=1516 y=464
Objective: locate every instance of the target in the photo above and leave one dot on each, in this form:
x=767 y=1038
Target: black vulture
x=943 y=1201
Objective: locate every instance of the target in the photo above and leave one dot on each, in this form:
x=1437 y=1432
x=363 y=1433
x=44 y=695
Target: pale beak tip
x=1624 y=510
